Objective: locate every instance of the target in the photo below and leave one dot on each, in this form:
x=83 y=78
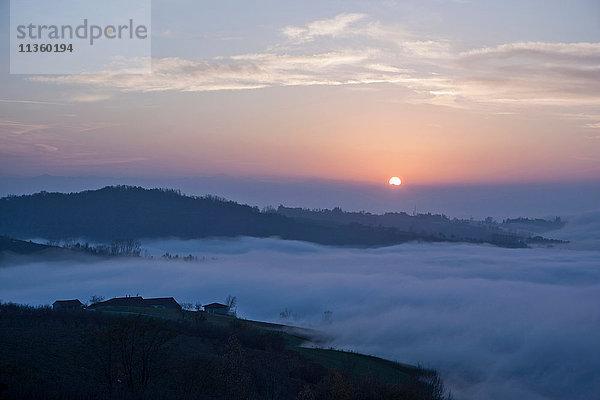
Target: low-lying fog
x=497 y=323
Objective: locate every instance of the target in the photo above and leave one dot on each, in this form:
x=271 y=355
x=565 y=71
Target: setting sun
x=395 y=181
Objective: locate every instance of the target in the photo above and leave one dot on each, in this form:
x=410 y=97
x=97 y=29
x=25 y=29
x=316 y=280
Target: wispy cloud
x=46 y=147
x=19 y=128
x=587 y=52
x=89 y=98
x=338 y=26
x=535 y=72
x=248 y=71
x=593 y=120
x=354 y=49
x=30 y=102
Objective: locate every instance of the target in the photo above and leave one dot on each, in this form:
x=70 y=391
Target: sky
x=482 y=107
x=496 y=323
x=438 y=92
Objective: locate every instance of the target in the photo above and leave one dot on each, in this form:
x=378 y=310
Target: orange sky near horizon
x=354 y=93
x=351 y=136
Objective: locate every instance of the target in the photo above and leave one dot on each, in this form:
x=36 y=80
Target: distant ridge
x=134 y=212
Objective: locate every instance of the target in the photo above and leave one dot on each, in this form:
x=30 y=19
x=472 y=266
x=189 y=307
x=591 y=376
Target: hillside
x=20 y=246
x=437 y=226
x=14 y=251
x=46 y=354
x=126 y=212
x=134 y=212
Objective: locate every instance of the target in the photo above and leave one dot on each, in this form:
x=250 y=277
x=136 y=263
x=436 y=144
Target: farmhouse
x=70 y=305
x=217 y=308
x=138 y=301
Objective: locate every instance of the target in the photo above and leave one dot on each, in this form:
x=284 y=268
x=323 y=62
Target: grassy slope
x=54 y=355
x=358 y=364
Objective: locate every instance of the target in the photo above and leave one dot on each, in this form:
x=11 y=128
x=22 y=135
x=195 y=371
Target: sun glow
x=395 y=181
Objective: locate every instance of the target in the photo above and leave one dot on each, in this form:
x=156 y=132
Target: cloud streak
x=541 y=73
x=17 y=128
x=343 y=50
x=249 y=71
x=340 y=25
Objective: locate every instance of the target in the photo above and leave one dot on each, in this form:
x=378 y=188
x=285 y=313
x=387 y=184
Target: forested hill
x=135 y=212
x=509 y=233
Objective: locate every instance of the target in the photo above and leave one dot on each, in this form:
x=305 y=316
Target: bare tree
x=231 y=302
x=286 y=315
x=135 y=346
x=95 y=299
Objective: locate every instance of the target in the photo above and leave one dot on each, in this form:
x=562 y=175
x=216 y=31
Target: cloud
x=89 y=98
x=497 y=323
x=588 y=52
x=592 y=118
x=248 y=71
x=340 y=25
x=19 y=128
x=354 y=49
x=38 y=144
x=46 y=147
x=536 y=72
x=377 y=54
x=88 y=126
x=29 y=102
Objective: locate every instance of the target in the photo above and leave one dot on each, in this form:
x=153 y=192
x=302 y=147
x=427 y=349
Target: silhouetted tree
x=138 y=343
x=231 y=302
x=95 y=299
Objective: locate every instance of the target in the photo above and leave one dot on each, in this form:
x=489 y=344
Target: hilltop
x=133 y=212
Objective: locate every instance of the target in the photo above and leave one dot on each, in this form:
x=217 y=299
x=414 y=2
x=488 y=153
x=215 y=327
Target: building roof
x=138 y=301
x=75 y=302
x=215 y=305
x=161 y=301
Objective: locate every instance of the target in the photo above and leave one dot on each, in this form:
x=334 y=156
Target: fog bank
x=497 y=323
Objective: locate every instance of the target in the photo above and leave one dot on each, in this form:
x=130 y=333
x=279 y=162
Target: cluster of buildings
x=138 y=302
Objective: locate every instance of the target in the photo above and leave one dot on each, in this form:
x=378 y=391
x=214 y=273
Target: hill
x=47 y=354
x=436 y=227
x=8 y=244
x=126 y=212
x=135 y=212
x=14 y=251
